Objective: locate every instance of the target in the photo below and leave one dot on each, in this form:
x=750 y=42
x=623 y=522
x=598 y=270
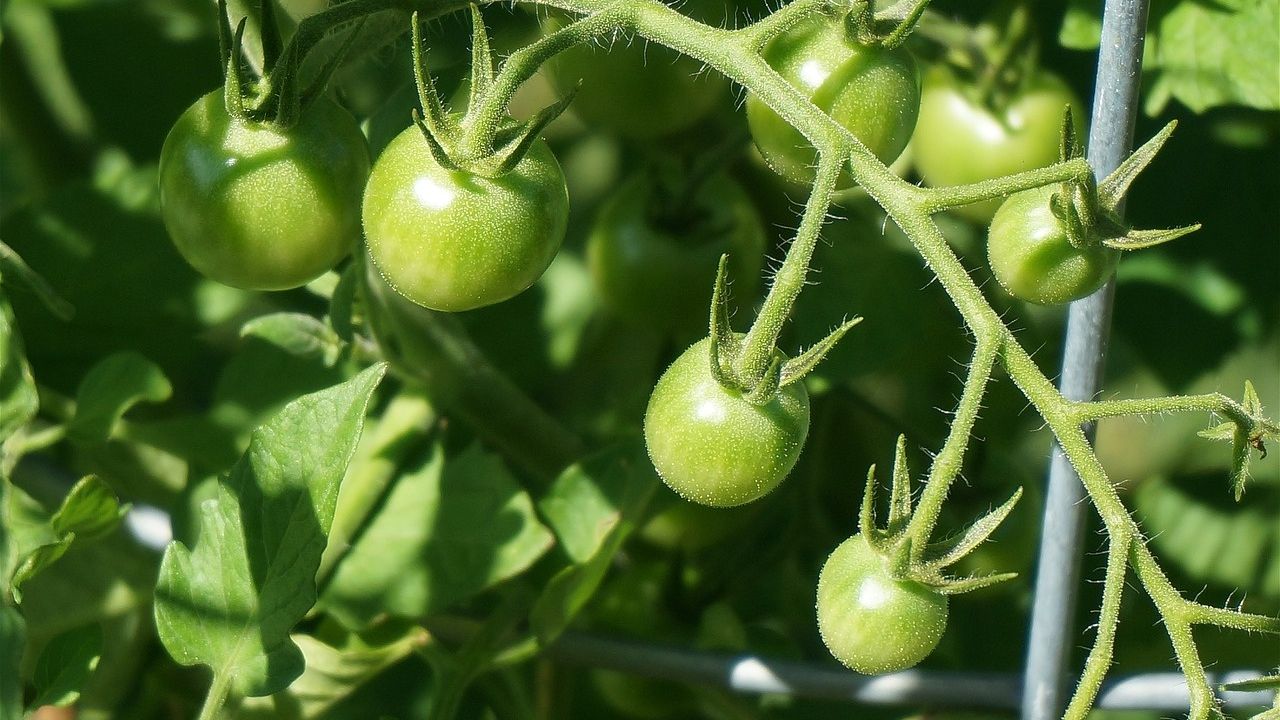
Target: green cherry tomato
x=959 y=140
x=1032 y=257
x=873 y=92
x=713 y=446
x=637 y=89
x=257 y=207
x=658 y=269
x=871 y=621
x=453 y=240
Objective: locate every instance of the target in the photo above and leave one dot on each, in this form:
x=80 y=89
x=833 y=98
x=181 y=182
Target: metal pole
x=1115 y=109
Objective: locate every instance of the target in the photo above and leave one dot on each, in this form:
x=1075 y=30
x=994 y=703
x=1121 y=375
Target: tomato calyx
x=467 y=142
x=1244 y=435
x=727 y=349
x=917 y=560
x=1089 y=212
x=274 y=96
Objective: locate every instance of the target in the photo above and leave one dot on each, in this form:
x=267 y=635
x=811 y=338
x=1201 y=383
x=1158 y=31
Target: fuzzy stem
x=1209 y=402
x=943 y=198
x=757 y=348
x=947 y=464
x=522 y=65
x=1100 y=656
x=757 y=35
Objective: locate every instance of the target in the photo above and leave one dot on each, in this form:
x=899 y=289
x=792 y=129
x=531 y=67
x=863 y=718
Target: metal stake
x=1115 y=109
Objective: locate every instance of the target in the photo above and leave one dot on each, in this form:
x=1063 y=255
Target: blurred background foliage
x=88 y=89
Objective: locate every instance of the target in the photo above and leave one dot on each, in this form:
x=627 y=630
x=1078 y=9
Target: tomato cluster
x=271 y=205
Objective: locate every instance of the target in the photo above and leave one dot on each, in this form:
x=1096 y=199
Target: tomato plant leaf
x=620 y=481
x=333 y=673
x=90 y=510
x=230 y=602
x=65 y=665
x=110 y=388
x=588 y=500
x=1203 y=55
x=297 y=334
x=448 y=529
x=18 y=399
x=14 y=267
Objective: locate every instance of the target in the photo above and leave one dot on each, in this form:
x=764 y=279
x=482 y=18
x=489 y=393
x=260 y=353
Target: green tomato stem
x=217 y=696
x=1099 y=661
x=757 y=35
x=522 y=65
x=946 y=465
x=1209 y=402
x=757 y=347
x=435 y=352
x=943 y=198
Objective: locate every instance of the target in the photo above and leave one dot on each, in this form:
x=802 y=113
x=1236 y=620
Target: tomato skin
x=959 y=140
x=872 y=91
x=451 y=240
x=710 y=444
x=638 y=90
x=650 y=274
x=870 y=621
x=1032 y=257
x=260 y=208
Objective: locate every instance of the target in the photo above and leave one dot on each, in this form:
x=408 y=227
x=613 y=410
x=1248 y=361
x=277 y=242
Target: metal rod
x=1115 y=109
x=1165 y=692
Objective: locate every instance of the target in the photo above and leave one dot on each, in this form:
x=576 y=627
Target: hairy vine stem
x=736 y=54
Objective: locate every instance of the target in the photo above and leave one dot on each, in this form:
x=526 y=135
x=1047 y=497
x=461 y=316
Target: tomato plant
x=335 y=503
x=453 y=240
x=652 y=255
x=714 y=446
x=961 y=138
x=1033 y=258
x=259 y=207
x=872 y=621
x=872 y=91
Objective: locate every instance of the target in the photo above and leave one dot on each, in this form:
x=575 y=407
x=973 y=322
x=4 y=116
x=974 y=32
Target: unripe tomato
x=636 y=88
x=1032 y=257
x=873 y=92
x=959 y=140
x=713 y=446
x=453 y=240
x=659 y=271
x=257 y=207
x=870 y=621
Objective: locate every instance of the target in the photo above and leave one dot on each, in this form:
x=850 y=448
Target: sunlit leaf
x=231 y=601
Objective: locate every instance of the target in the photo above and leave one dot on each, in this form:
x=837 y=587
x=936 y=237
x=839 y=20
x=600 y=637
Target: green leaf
x=13 y=267
x=297 y=334
x=1209 y=538
x=65 y=665
x=18 y=399
x=589 y=499
x=108 y=391
x=231 y=601
x=1203 y=55
x=13 y=638
x=1221 y=53
x=448 y=529
x=90 y=510
x=622 y=472
x=332 y=675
